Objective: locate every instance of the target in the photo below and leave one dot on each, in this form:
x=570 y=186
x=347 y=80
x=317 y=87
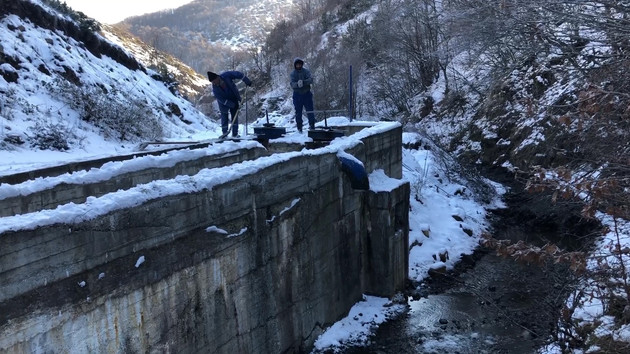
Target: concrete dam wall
x=256 y=255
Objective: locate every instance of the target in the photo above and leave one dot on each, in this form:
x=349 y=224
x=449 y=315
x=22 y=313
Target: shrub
x=52 y=136
x=85 y=23
x=118 y=116
x=164 y=75
x=128 y=119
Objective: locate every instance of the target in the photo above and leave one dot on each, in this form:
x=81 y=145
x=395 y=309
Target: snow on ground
x=364 y=317
x=444 y=219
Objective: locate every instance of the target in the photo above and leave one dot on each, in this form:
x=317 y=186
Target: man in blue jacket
x=227 y=96
x=301 y=82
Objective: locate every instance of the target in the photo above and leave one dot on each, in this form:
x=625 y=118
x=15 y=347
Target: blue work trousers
x=225 y=122
x=301 y=101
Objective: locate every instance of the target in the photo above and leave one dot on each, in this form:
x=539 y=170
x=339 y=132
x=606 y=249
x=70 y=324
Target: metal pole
x=350 y=95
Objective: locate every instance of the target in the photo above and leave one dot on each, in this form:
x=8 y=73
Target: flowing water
x=495 y=306
x=488 y=304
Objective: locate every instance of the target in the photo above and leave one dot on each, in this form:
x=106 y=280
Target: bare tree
x=404 y=47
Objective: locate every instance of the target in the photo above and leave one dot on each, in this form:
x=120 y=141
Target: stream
x=490 y=304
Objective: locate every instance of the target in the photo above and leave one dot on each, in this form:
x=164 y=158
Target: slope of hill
x=65 y=87
x=189 y=83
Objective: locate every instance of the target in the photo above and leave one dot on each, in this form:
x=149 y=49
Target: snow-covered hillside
x=65 y=88
x=255 y=20
x=191 y=84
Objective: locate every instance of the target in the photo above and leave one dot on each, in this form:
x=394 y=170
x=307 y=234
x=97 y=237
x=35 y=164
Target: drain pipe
x=354 y=169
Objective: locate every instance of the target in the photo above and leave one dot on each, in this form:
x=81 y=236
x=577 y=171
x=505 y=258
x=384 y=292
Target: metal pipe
x=327 y=111
x=350 y=113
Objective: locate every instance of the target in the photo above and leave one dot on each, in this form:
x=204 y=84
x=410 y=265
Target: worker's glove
x=300 y=83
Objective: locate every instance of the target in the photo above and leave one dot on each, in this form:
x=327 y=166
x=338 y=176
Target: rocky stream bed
x=490 y=304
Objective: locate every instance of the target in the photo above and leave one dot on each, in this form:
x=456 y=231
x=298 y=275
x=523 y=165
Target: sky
x=113 y=11
x=422 y=168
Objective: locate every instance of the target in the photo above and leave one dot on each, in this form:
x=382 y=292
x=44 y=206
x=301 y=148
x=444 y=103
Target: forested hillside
x=210 y=34
x=515 y=84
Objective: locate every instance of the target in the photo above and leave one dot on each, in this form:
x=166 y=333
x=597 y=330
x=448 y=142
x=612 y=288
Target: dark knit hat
x=212 y=76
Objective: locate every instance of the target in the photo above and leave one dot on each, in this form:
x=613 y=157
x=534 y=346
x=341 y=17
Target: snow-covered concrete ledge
x=206 y=178
x=49 y=192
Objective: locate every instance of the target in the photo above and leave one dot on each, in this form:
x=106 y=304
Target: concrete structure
x=79 y=191
x=302 y=247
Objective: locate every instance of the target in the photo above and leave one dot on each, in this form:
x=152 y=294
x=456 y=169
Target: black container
x=269 y=132
x=325 y=134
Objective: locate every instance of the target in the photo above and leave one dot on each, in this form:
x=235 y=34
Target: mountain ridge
x=209 y=34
